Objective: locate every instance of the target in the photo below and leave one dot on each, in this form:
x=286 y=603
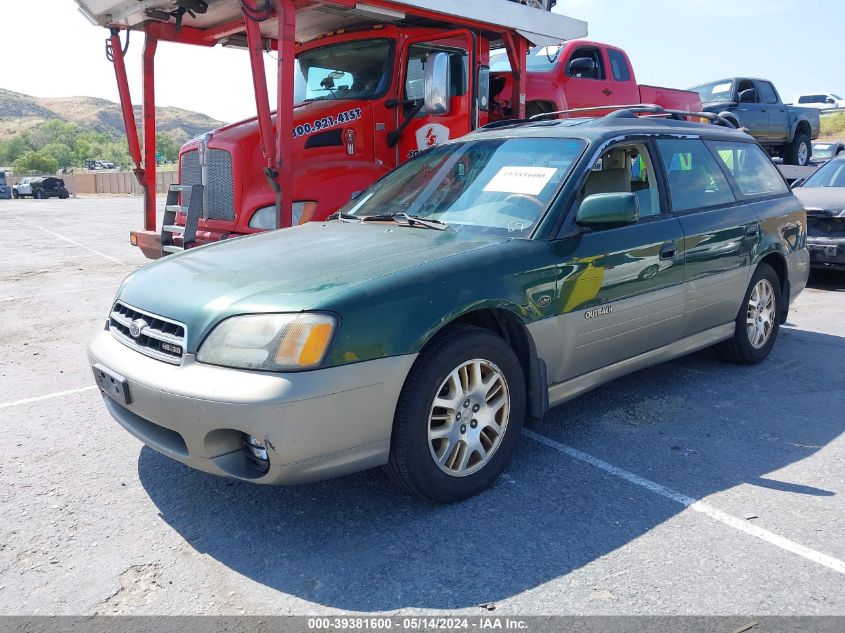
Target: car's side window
x=695 y=178
x=625 y=169
x=592 y=53
x=767 y=92
x=754 y=173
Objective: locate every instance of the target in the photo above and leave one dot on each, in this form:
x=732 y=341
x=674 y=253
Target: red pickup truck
x=581 y=74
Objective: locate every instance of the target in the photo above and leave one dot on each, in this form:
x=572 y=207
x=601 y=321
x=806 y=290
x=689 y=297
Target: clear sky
x=798 y=44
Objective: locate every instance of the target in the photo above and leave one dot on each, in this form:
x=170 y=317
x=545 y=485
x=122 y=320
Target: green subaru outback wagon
x=464 y=294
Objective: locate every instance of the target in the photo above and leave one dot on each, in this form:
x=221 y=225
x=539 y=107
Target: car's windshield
x=830 y=174
x=716 y=91
x=822 y=151
x=352 y=70
x=498 y=185
x=540 y=58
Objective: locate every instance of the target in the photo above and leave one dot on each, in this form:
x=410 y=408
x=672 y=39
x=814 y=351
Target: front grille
x=160 y=338
x=220 y=185
x=823 y=225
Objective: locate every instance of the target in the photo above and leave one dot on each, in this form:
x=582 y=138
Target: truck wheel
x=758 y=322
x=38 y=195
x=15 y=195
x=459 y=416
x=799 y=151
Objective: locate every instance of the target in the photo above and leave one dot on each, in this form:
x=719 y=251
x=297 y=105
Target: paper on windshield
x=722 y=88
x=527 y=180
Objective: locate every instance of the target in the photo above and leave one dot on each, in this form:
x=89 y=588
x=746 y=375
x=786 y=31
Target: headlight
x=271 y=342
x=265 y=217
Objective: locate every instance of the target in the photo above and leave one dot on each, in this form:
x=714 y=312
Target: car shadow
x=827 y=280
x=358 y=544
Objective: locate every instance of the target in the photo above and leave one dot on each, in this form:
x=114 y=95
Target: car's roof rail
x=626 y=111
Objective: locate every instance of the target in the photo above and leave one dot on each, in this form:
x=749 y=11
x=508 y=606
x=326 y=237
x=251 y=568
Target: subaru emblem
x=136 y=327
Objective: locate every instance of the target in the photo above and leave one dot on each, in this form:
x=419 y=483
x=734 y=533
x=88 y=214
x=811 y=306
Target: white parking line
x=67 y=239
x=58 y=394
x=699 y=506
x=58 y=292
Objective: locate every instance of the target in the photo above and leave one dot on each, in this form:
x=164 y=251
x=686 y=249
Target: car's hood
x=283 y=271
x=824 y=198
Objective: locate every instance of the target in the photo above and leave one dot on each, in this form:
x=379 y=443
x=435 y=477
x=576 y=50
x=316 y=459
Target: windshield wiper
x=344 y=217
x=404 y=219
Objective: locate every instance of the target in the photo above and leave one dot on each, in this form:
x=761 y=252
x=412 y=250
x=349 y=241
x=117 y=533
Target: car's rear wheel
x=799 y=151
x=38 y=195
x=758 y=321
x=459 y=416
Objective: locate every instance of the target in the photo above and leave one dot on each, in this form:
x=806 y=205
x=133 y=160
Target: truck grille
x=157 y=337
x=823 y=225
x=220 y=185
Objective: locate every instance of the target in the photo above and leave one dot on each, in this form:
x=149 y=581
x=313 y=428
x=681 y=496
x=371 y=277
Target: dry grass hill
x=19 y=112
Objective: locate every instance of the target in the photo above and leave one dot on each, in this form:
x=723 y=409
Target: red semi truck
x=362 y=87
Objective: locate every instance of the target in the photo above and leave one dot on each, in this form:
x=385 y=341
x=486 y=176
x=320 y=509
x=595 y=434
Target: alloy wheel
x=468 y=418
x=760 y=317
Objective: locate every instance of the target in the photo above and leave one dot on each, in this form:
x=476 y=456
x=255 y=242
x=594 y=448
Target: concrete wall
x=110 y=182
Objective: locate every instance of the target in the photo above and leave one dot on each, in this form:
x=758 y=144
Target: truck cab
x=754 y=104
x=581 y=74
x=359 y=111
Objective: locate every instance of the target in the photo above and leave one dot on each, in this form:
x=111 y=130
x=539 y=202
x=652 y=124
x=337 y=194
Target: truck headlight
x=271 y=342
x=265 y=217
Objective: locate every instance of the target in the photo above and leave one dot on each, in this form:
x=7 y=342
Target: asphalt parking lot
x=691 y=488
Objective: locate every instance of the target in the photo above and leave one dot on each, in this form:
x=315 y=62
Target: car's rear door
x=720 y=233
x=621 y=289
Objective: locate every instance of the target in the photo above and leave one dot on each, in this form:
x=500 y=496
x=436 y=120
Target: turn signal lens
x=271 y=342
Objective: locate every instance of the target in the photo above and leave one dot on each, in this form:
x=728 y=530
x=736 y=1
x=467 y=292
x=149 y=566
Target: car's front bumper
x=314 y=425
x=826 y=252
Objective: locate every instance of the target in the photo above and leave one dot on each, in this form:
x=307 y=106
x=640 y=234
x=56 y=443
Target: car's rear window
x=695 y=179
x=752 y=170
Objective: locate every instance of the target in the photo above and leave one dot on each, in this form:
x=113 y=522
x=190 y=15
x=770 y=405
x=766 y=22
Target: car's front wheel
x=459 y=416
x=758 y=321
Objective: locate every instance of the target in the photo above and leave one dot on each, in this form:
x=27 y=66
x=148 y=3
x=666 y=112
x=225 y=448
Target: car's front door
x=583 y=87
x=426 y=130
x=753 y=115
x=720 y=233
x=620 y=289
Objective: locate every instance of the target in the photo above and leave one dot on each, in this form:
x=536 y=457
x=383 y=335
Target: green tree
x=63 y=154
x=167 y=147
x=14 y=148
x=40 y=162
x=55 y=131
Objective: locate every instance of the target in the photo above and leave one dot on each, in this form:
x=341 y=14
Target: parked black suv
x=5 y=189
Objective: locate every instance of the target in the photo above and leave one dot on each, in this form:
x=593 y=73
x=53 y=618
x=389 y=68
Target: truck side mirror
x=581 y=66
x=437 y=81
x=606 y=210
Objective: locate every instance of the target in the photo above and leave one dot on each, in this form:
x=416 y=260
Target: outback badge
x=598 y=312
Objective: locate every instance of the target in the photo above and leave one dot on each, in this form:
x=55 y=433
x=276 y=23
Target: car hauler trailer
x=333 y=132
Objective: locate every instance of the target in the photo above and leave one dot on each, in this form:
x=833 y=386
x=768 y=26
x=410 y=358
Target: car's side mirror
x=605 y=210
x=581 y=66
x=748 y=96
x=437 y=82
x=797 y=183
x=830 y=100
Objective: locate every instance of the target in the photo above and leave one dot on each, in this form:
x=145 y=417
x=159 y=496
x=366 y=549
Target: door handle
x=752 y=231
x=607 y=92
x=668 y=250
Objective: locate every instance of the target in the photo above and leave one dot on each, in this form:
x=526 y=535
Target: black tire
x=38 y=195
x=739 y=348
x=15 y=195
x=792 y=152
x=412 y=464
